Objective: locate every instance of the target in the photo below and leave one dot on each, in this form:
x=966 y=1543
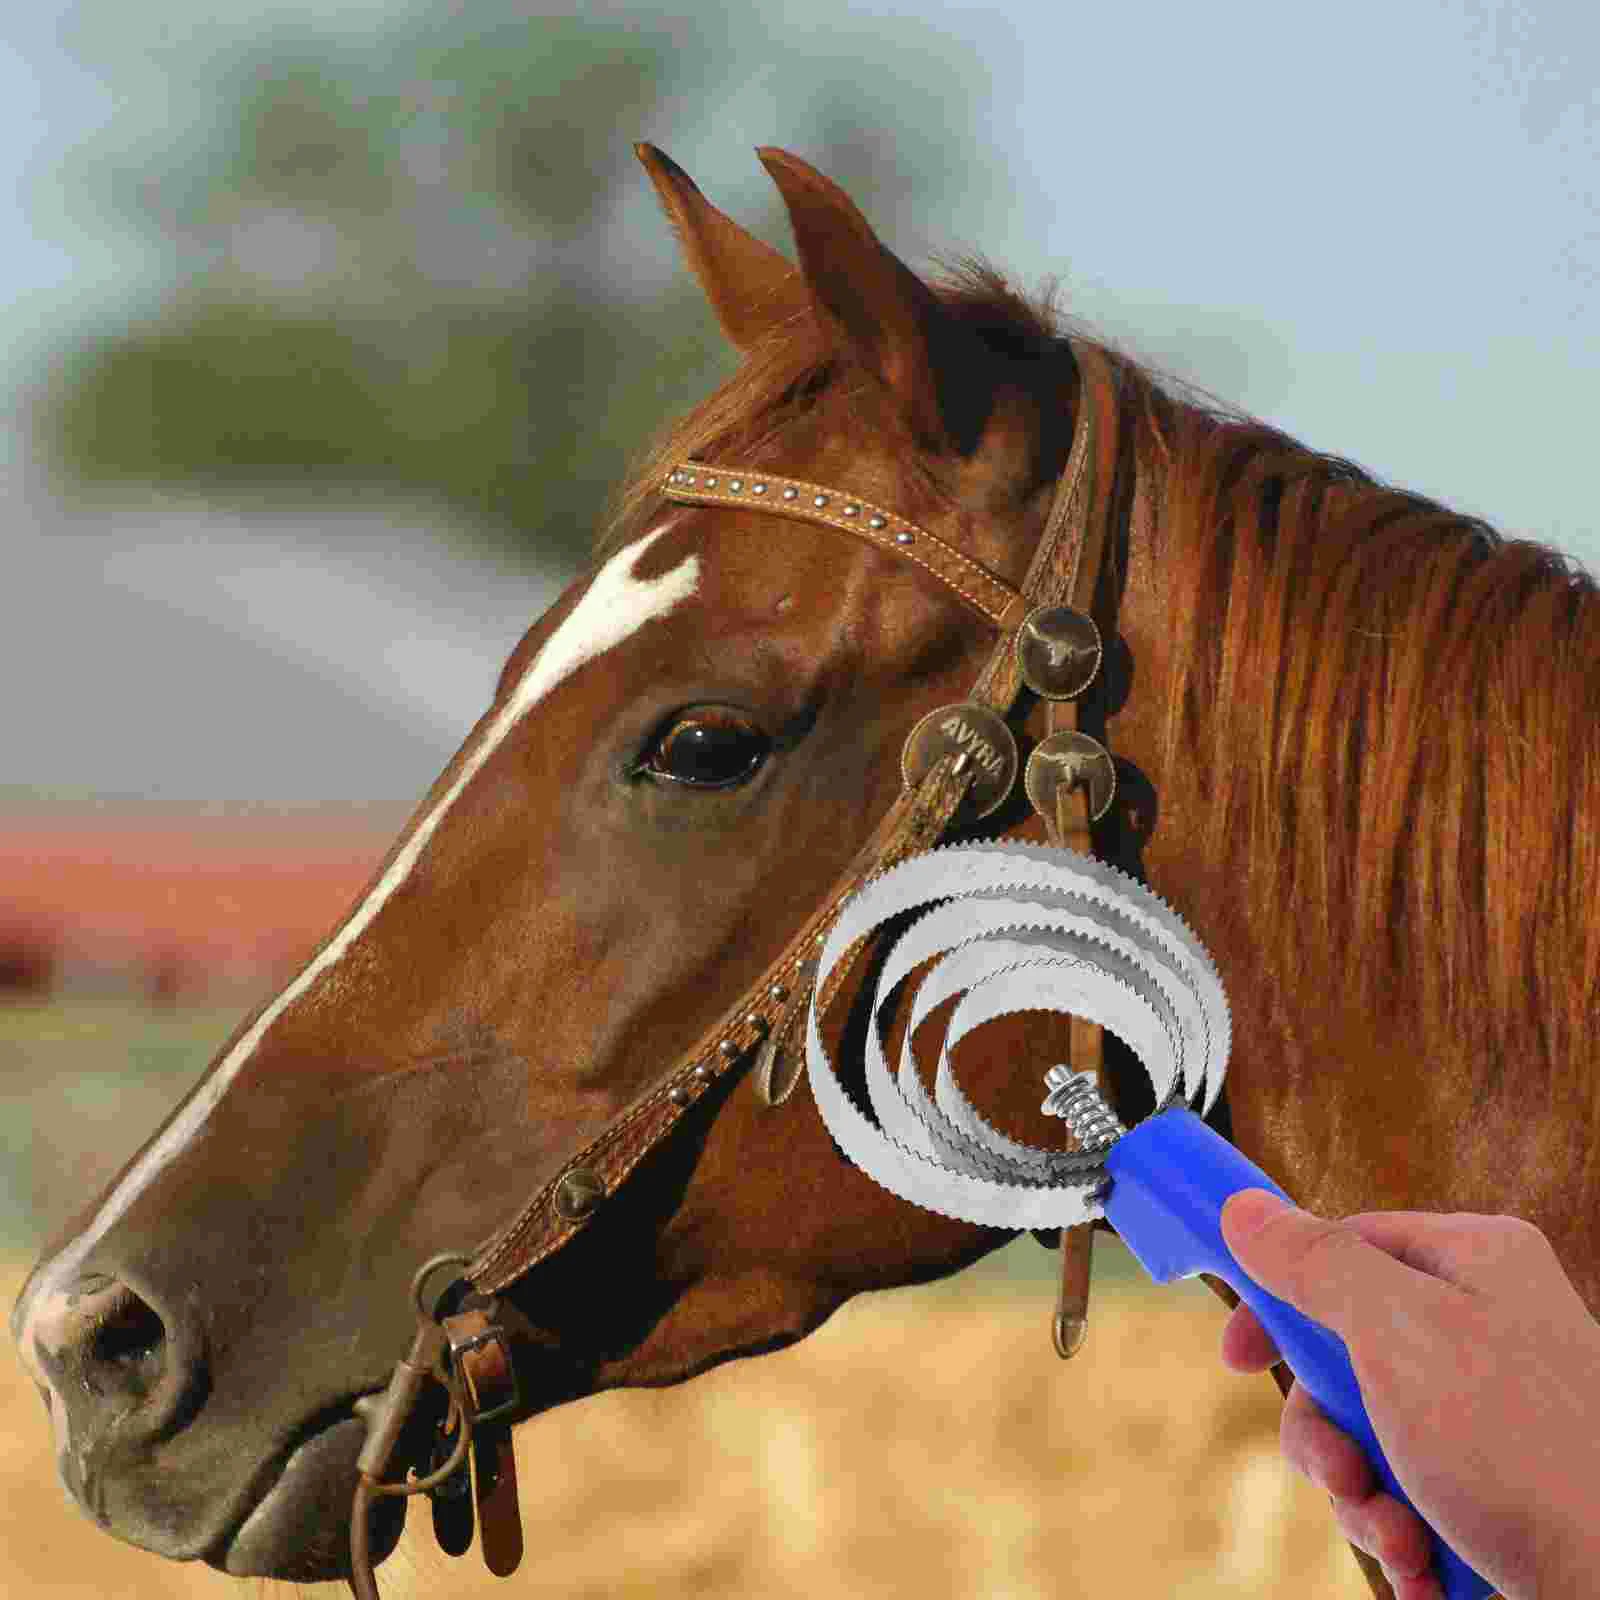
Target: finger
x=1389 y=1531
x=1325 y=1269
x=1246 y=1345
x=1325 y=1454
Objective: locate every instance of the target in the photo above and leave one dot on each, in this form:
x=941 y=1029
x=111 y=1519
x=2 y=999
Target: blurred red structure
x=30 y=956
x=177 y=906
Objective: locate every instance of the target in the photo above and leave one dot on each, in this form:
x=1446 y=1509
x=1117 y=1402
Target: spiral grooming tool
x=1018 y=927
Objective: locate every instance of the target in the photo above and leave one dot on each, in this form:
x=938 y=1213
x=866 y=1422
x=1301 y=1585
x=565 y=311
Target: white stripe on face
x=615 y=606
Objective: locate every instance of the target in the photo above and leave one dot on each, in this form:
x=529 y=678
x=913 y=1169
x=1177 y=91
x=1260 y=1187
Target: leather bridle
x=960 y=763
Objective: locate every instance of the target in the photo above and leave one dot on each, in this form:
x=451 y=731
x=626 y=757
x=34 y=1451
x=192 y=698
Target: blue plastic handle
x=1170 y=1176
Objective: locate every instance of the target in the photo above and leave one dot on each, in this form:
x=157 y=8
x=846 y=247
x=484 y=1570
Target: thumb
x=1321 y=1268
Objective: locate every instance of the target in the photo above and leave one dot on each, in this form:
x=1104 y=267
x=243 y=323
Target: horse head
x=681 y=757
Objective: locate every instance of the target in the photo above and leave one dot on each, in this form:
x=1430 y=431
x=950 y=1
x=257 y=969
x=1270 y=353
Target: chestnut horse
x=1355 y=748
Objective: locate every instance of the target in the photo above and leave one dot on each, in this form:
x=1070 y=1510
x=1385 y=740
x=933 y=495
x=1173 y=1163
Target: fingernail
x=1245 y=1211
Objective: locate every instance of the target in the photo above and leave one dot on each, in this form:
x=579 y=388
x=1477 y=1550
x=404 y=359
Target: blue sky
x=1376 y=225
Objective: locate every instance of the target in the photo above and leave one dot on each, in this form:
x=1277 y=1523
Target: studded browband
x=697 y=484
x=960 y=763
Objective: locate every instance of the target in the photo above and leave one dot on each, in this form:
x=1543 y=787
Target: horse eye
x=708 y=748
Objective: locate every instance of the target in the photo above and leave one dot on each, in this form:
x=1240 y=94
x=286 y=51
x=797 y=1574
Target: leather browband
x=695 y=483
x=1065 y=571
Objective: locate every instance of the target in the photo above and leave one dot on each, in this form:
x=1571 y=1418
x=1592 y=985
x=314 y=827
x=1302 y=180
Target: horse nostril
x=101 y=1338
x=125 y=1342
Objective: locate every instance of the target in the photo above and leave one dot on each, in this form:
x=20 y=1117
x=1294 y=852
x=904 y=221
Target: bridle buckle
x=461 y=1345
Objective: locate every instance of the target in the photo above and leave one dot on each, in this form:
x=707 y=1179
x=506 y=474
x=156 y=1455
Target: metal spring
x=1075 y=1098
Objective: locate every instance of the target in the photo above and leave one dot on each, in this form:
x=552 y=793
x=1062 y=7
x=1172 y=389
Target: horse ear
x=882 y=312
x=751 y=287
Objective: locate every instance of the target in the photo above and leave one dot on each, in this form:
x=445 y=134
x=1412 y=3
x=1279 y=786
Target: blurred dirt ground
x=924 y=1443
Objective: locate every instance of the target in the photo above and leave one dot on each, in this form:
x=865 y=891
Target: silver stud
x=902 y=538
x=819 y=500
x=736 y=484
x=690 y=478
x=702 y=1072
x=674 y=477
x=757 y=1022
x=874 y=522
x=758 y=488
x=729 y=1049
x=791 y=494
x=680 y=1096
x=711 y=483
x=778 y=992
x=850 y=511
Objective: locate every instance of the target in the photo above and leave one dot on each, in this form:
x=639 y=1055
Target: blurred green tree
x=394 y=267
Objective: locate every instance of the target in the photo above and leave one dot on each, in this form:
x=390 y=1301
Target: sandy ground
x=925 y=1443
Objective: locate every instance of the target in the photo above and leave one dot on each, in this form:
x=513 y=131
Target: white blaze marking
x=616 y=605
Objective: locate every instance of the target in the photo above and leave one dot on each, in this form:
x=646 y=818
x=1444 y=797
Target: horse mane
x=1389 y=707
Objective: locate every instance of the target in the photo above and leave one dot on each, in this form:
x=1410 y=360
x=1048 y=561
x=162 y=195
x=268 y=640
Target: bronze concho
x=1058 y=651
x=778 y=1070
x=969 y=729
x=1070 y=758
x=578 y=1193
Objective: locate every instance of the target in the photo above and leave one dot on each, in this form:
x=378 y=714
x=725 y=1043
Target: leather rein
x=960 y=763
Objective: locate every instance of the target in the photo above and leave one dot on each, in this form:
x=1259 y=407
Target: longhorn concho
x=1020 y=928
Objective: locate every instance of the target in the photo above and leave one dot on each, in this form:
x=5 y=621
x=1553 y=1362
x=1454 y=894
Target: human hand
x=1479 y=1367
